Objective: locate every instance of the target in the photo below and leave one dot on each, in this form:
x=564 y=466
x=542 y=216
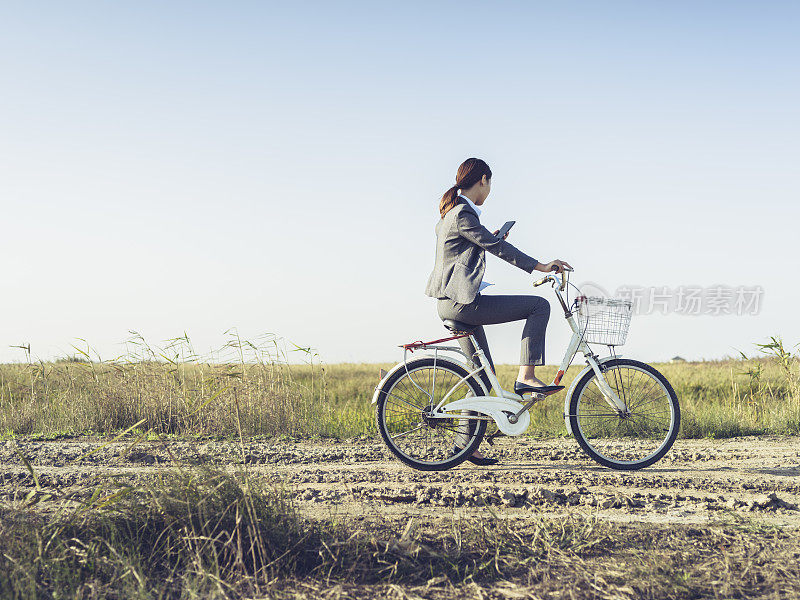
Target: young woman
x=456 y=280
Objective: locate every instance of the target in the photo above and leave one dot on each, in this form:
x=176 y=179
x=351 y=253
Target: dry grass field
x=162 y=474
x=249 y=386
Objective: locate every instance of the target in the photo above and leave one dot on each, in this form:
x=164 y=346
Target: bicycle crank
x=534 y=399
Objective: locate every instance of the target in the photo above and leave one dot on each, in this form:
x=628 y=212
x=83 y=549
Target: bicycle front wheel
x=405 y=402
x=634 y=439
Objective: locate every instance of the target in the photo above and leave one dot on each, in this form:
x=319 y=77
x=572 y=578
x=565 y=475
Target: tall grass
x=170 y=389
x=744 y=396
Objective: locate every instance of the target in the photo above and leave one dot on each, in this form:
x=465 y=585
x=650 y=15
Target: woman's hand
x=498 y=231
x=547 y=267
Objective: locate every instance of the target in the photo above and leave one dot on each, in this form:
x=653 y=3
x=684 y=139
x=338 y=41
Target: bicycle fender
x=401 y=365
x=383 y=380
x=494 y=407
x=575 y=381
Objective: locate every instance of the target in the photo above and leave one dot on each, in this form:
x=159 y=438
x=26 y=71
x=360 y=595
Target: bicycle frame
x=512 y=417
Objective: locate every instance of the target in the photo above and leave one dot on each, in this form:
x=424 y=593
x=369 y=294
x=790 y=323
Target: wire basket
x=604 y=320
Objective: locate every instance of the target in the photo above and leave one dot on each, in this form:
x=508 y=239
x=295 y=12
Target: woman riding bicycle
x=456 y=280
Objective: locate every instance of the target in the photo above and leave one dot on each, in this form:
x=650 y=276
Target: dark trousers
x=490 y=310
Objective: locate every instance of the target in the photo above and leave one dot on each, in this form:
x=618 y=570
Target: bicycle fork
x=614 y=401
x=576 y=344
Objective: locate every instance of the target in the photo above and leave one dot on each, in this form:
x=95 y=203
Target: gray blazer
x=461 y=242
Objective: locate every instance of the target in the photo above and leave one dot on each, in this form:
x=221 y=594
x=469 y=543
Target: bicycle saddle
x=454 y=326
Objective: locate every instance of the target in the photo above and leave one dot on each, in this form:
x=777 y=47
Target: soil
x=699 y=481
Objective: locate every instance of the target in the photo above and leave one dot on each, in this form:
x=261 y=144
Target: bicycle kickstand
x=489 y=439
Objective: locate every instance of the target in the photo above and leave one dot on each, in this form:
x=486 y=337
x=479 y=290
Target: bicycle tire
x=646 y=417
x=475 y=429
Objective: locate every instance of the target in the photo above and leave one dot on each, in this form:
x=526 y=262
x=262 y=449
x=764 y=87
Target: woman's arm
x=470 y=228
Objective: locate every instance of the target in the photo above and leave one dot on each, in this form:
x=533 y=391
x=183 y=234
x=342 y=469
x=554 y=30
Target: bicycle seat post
x=461 y=329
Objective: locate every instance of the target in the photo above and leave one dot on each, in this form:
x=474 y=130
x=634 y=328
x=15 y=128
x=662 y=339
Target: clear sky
x=276 y=167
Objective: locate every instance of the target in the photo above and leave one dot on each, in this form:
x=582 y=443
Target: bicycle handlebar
x=549 y=277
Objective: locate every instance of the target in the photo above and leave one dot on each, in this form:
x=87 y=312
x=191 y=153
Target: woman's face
x=482 y=189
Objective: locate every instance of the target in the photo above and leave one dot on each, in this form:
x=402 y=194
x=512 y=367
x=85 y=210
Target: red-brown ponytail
x=469 y=173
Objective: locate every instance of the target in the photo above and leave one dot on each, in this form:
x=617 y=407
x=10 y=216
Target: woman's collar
x=471 y=203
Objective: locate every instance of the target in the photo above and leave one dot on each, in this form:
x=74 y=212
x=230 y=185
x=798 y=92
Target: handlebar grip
x=555 y=268
x=549 y=277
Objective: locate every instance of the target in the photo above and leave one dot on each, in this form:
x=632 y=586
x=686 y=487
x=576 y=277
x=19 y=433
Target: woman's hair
x=469 y=173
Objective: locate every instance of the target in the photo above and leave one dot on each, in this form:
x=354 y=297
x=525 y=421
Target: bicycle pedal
x=528 y=396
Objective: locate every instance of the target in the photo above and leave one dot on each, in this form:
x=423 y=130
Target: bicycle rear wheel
x=403 y=406
x=628 y=441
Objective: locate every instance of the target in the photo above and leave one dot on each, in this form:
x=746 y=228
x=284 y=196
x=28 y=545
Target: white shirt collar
x=471 y=203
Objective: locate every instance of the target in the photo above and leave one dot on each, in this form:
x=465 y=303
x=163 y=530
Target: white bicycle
x=623 y=412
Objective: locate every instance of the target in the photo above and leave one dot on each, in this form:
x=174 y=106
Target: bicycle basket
x=604 y=320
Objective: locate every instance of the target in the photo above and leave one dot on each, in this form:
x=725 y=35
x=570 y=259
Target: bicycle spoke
x=399 y=435
x=404 y=402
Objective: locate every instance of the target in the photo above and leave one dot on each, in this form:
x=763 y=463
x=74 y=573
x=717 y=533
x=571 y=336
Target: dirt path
x=697 y=482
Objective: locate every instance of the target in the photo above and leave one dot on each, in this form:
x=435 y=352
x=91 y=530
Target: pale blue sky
x=276 y=167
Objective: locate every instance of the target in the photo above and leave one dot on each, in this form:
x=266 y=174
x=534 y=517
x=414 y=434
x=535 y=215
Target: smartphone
x=505 y=228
